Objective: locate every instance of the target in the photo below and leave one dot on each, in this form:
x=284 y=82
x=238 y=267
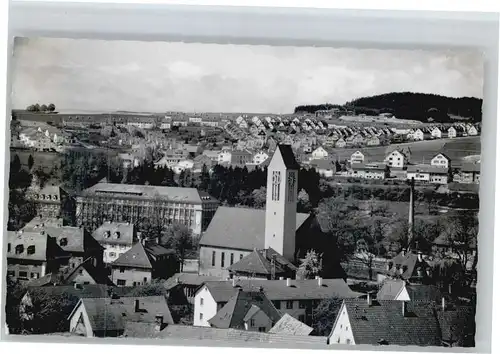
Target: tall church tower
x=281 y=202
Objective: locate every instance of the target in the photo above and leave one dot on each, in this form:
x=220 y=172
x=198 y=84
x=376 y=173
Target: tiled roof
x=75 y=238
x=259 y=262
x=409 y=262
x=134 y=257
x=98 y=275
x=308 y=289
x=175 y=194
x=112 y=314
x=291 y=326
x=471 y=167
x=241 y=308
x=323 y=164
x=140 y=329
x=288 y=157
x=246 y=234
x=235 y=335
x=422 y=168
x=383 y=320
x=188 y=279
x=83 y=291
x=423 y=292
x=125 y=230
x=390 y=289
x=369 y=166
x=35 y=246
x=455 y=323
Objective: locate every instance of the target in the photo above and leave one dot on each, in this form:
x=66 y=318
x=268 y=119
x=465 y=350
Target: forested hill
x=409 y=105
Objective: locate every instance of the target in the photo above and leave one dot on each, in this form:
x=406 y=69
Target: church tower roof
x=288 y=157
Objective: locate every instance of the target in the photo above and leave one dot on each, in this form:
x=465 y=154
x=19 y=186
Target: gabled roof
x=423 y=168
x=96 y=274
x=390 y=289
x=308 y=289
x=192 y=279
x=246 y=234
x=288 y=157
x=235 y=335
x=289 y=325
x=134 y=257
x=112 y=314
x=241 y=308
x=125 y=230
x=260 y=262
x=36 y=246
x=409 y=262
x=384 y=320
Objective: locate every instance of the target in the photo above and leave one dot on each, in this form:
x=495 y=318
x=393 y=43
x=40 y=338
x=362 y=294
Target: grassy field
x=421 y=151
x=47 y=160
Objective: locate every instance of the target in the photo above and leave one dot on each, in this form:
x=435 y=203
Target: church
x=235 y=233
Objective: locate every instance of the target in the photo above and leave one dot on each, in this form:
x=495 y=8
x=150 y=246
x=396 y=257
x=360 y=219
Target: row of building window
x=289 y=304
x=20 y=249
x=23 y=274
x=222 y=259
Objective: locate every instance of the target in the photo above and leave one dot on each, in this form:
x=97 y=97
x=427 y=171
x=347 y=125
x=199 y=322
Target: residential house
x=373 y=170
x=418 y=135
x=396 y=159
x=373 y=141
x=436 y=133
x=31 y=255
x=291 y=326
x=357 y=157
x=116 y=238
x=195 y=119
x=181 y=287
x=108 y=317
x=325 y=168
x=408 y=266
x=129 y=160
x=246 y=310
x=340 y=143
x=262 y=264
x=441 y=160
x=166 y=123
x=49 y=201
x=77 y=242
x=183 y=166
x=469 y=173
x=142 y=263
x=428 y=173
x=213 y=155
x=298 y=298
x=319 y=153
x=397 y=289
x=385 y=322
x=472 y=130
x=452 y=132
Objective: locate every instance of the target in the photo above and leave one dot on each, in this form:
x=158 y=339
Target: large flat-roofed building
x=137 y=203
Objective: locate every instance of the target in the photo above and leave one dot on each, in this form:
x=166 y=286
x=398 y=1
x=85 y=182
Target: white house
x=195 y=119
x=471 y=130
x=224 y=156
x=396 y=159
x=452 y=132
x=116 y=238
x=183 y=165
x=436 y=133
x=418 y=134
x=357 y=157
x=386 y=322
x=319 y=153
x=166 y=123
x=441 y=160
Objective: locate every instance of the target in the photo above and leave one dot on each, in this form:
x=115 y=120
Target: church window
x=291 y=187
x=222 y=259
x=232 y=259
x=213 y=258
x=276 y=185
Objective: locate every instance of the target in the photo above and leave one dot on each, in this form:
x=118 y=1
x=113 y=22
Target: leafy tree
x=324 y=316
x=43 y=108
x=304 y=205
x=51 y=107
x=155 y=288
x=14 y=293
x=259 y=197
x=179 y=238
x=310 y=265
x=37 y=107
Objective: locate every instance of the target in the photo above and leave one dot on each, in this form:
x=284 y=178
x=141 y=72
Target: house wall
x=206 y=266
x=24 y=271
x=75 y=326
x=259 y=320
x=440 y=161
x=439 y=179
x=418 y=176
x=207 y=310
x=300 y=310
x=357 y=157
x=403 y=295
x=342 y=331
x=131 y=276
x=369 y=174
x=319 y=153
x=81 y=277
x=395 y=159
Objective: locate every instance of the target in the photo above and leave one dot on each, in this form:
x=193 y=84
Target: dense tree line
x=41 y=108
x=409 y=105
x=21 y=208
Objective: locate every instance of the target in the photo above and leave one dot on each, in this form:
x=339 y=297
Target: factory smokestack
x=411 y=212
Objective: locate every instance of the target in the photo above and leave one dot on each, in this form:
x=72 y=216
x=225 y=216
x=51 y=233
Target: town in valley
x=330 y=225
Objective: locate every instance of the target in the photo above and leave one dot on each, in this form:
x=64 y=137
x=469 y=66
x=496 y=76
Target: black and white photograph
x=250 y=194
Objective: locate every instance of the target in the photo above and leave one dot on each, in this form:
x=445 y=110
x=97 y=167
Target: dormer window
x=19 y=249
x=8 y=247
x=106 y=234
x=31 y=249
x=63 y=241
x=117 y=234
x=54 y=197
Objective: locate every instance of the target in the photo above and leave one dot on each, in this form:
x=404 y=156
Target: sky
x=95 y=75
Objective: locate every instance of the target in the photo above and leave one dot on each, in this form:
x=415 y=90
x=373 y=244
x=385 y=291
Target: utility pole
x=411 y=216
